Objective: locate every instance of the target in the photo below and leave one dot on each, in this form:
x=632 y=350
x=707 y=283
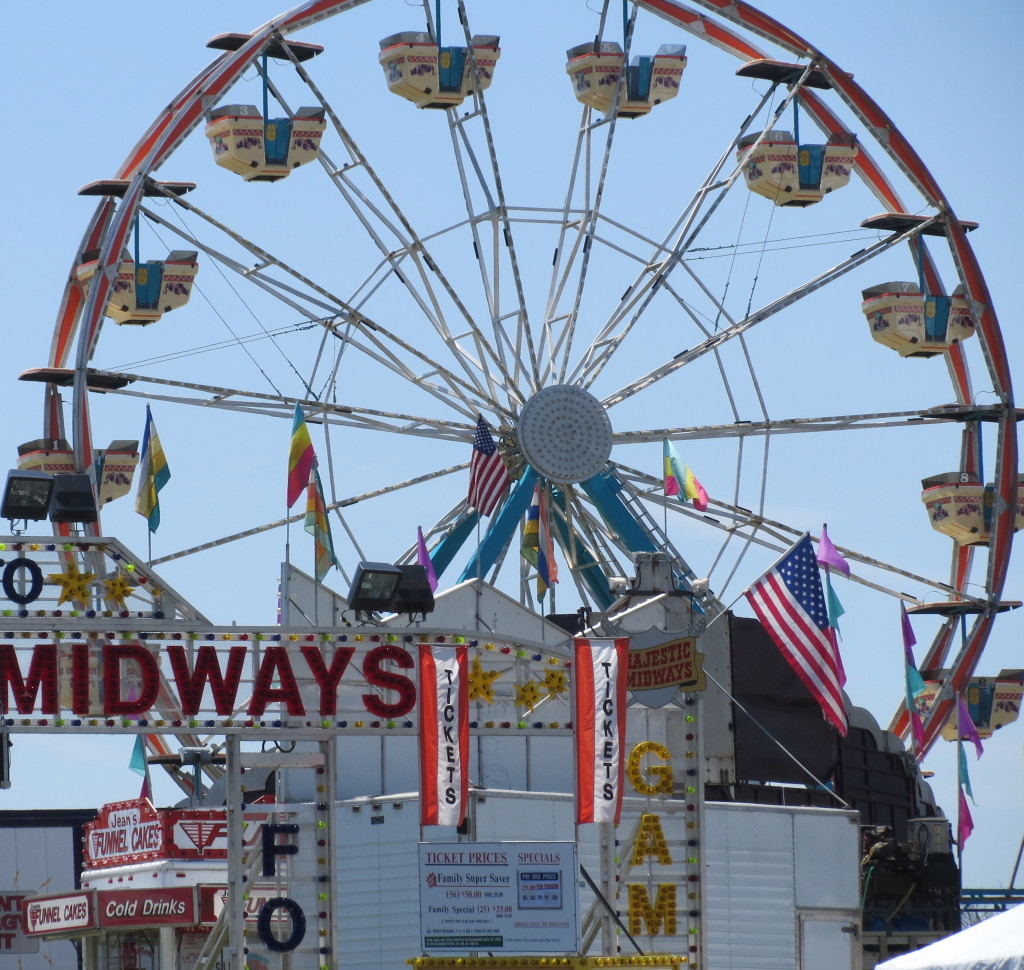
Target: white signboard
x=499 y=897
x=68 y=912
x=127 y=833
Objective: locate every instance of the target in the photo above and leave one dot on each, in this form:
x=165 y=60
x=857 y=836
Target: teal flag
x=835 y=608
x=138 y=759
x=965 y=779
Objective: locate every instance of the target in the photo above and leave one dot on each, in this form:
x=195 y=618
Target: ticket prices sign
x=502 y=897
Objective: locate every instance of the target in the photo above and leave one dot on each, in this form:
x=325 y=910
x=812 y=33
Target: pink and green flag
x=914 y=682
x=681 y=482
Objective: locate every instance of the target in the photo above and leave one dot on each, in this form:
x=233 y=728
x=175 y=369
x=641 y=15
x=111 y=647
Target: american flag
x=488 y=477
x=790 y=605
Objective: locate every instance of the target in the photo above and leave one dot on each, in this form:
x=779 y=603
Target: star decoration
x=118 y=589
x=74 y=584
x=556 y=682
x=481 y=682
x=529 y=695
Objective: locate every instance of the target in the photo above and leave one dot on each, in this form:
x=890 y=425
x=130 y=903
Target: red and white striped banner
x=444 y=734
x=600 y=667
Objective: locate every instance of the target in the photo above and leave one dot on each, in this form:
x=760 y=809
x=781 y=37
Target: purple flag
x=908 y=634
x=965 y=726
x=423 y=558
x=964 y=822
x=828 y=555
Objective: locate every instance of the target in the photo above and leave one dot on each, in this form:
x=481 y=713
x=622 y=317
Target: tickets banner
x=444 y=734
x=601 y=669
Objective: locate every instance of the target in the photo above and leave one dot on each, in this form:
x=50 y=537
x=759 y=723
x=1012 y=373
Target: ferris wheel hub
x=565 y=434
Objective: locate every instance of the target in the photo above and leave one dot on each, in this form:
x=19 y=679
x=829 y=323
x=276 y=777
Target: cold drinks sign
x=502 y=897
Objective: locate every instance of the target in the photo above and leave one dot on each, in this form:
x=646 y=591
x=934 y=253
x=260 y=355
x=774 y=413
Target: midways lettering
x=277 y=673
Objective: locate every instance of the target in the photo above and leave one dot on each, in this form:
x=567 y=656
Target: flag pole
x=744 y=591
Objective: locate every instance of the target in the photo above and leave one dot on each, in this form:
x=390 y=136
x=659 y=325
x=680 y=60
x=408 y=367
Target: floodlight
x=373 y=587
x=26 y=495
x=414 y=595
x=73 y=499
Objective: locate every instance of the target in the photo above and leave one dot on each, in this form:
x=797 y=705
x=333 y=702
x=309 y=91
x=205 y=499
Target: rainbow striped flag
x=300 y=457
x=154 y=474
x=319 y=527
x=681 y=482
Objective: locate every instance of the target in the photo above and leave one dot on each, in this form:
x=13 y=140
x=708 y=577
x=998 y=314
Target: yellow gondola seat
x=596 y=68
x=796 y=175
x=913 y=324
x=961 y=507
x=142 y=294
x=437 y=77
x=263 y=150
x=115 y=465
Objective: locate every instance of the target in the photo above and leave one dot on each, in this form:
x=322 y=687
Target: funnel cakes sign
x=129 y=832
x=124 y=832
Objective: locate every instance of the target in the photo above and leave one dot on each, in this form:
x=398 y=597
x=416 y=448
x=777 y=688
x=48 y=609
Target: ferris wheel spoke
x=637 y=507
x=778 y=536
x=271 y=405
x=586 y=227
x=497 y=213
x=582 y=537
x=662 y=258
x=387 y=216
x=948 y=414
x=566 y=254
x=329 y=506
x=769 y=310
x=466 y=396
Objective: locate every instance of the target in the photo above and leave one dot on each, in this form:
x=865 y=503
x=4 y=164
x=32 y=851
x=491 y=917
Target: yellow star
x=481 y=682
x=556 y=682
x=529 y=695
x=74 y=585
x=118 y=589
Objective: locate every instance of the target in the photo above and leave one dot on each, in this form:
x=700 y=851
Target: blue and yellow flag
x=154 y=474
x=535 y=551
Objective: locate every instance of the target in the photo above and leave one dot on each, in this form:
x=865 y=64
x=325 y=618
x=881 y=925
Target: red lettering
x=80 y=678
x=224 y=686
x=42 y=672
x=275 y=662
x=327 y=678
x=113 y=703
x=376 y=676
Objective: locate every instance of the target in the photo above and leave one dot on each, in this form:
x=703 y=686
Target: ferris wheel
x=406 y=220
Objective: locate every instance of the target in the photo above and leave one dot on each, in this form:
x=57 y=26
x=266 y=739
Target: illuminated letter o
x=7 y=580
x=298 y=919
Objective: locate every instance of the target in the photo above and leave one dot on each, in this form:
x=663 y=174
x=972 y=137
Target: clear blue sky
x=88 y=84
